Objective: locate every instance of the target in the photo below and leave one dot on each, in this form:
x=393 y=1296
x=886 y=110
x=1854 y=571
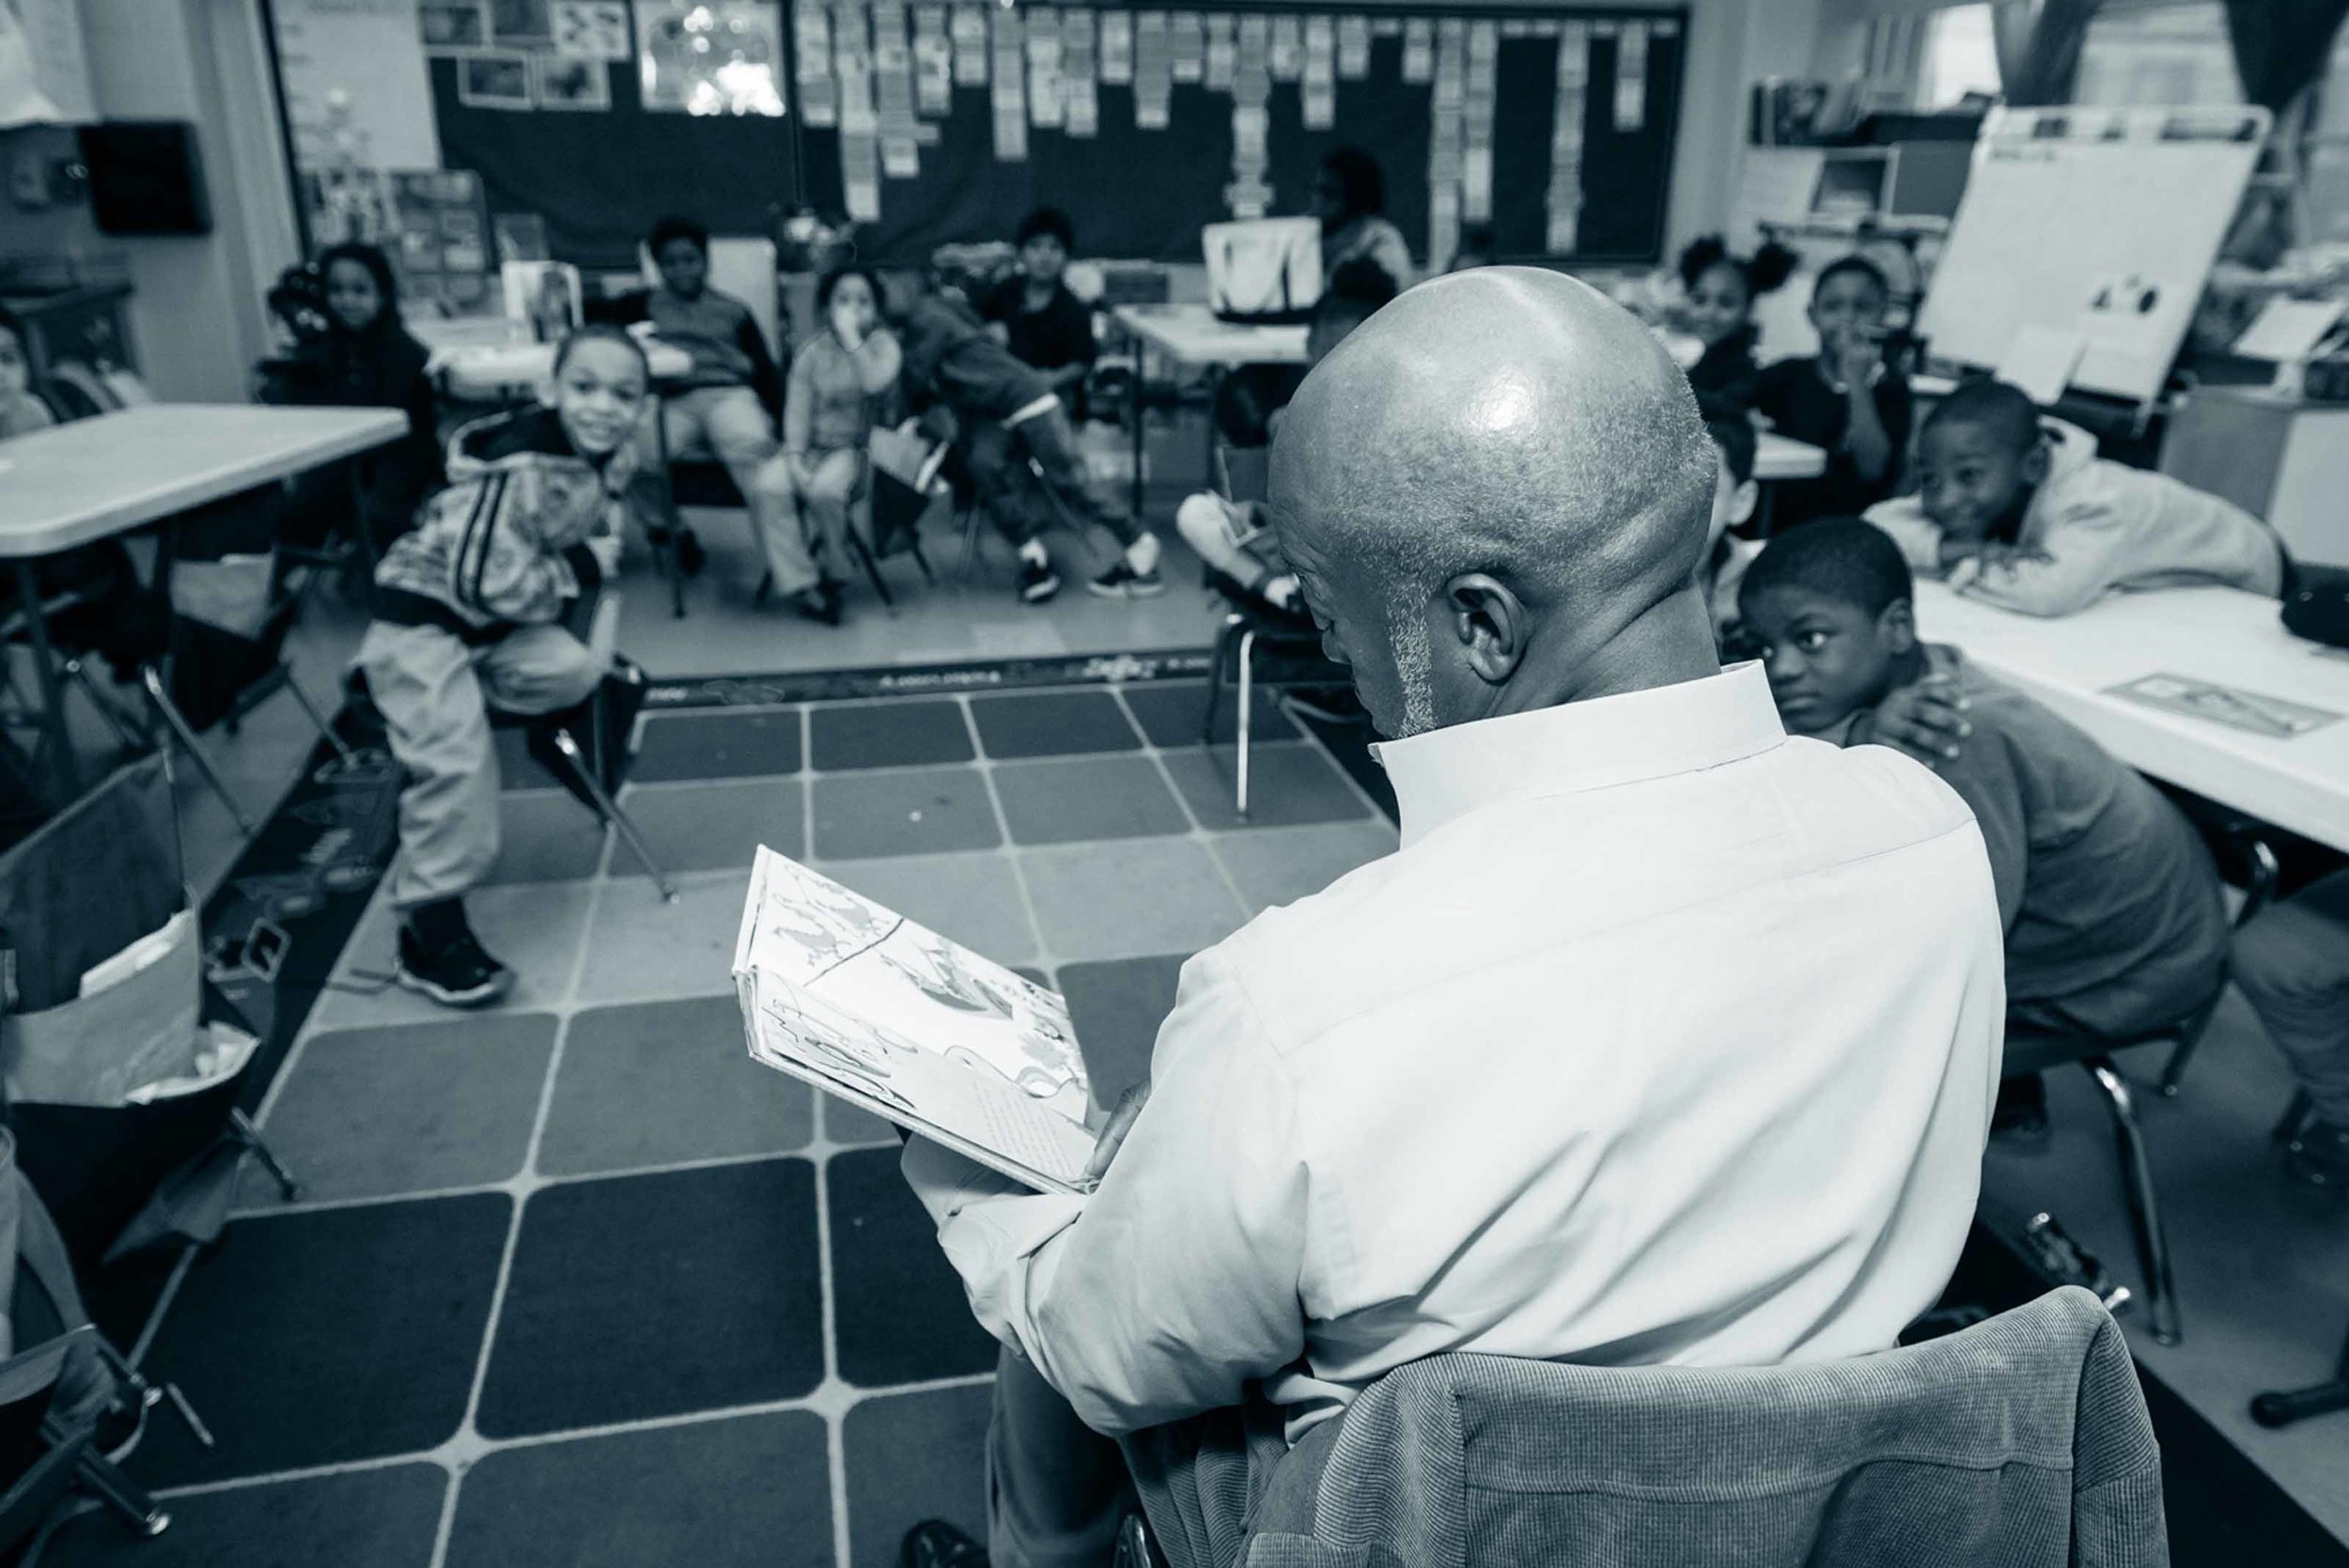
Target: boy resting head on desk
x=2024 y=515
x=2110 y=902
x=489 y=603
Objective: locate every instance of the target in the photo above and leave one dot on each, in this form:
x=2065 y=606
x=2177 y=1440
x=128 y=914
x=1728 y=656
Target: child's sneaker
x=1038 y=581
x=456 y=973
x=1122 y=582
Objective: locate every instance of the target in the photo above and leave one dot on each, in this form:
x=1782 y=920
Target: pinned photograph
x=563 y=83
x=521 y=21
x=452 y=24
x=590 y=29
x=494 y=81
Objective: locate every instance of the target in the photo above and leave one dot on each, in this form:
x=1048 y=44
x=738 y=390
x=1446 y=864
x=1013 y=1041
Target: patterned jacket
x=505 y=543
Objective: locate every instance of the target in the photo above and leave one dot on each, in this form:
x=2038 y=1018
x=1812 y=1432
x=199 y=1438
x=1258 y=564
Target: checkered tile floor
x=575 y=1282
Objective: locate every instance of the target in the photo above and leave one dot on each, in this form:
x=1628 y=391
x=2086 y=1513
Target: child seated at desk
x=728 y=403
x=1006 y=418
x=2028 y=518
x=1228 y=532
x=2112 y=909
x=476 y=608
x=1845 y=400
x=21 y=413
x=1720 y=291
x=1041 y=323
x=2291 y=964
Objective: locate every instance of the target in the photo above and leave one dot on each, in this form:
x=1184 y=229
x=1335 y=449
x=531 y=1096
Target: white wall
x=196 y=310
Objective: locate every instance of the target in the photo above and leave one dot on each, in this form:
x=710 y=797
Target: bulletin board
x=2102 y=223
x=942 y=120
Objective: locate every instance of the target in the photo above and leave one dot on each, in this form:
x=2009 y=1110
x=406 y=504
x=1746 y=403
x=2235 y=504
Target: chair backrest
x=744 y=267
x=2003 y=1442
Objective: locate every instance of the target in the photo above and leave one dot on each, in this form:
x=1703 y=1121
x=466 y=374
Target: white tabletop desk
x=95 y=478
x=2218 y=634
x=1194 y=334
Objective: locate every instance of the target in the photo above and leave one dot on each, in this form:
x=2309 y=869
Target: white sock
x=1143 y=554
x=1034 y=551
x=1280 y=590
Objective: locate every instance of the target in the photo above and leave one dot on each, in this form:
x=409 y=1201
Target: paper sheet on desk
x=869 y=1007
x=2272 y=716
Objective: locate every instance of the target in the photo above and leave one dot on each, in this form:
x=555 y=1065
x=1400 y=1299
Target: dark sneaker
x=1122 y=582
x=817 y=606
x=1038 y=581
x=458 y=973
x=936 y=1544
x=2318 y=1155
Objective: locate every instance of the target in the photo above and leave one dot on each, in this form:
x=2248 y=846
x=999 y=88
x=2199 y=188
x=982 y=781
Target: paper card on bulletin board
x=44 y=68
x=367 y=52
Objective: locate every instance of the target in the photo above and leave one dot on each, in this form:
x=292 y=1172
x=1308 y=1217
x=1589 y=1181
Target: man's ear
x=1742 y=502
x=1897 y=625
x=1491 y=623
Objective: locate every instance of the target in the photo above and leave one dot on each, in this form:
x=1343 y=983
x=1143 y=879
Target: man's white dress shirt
x=1663 y=1038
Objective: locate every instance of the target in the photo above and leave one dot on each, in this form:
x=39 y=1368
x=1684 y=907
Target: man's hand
x=1120 y=1122
x=1925 y=719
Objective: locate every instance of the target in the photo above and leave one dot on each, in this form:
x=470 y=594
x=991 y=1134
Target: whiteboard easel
x=2099 y=220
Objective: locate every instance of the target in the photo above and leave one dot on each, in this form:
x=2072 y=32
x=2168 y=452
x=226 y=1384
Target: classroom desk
x=1192 y=334
x=95 y=478
x=2218 y=634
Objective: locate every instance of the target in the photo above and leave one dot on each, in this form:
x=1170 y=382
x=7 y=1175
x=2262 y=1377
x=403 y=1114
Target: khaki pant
x=435 y=694
x=822 y=506
x=730 y=424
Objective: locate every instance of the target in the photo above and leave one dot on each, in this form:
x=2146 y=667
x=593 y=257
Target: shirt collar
x=1580 y=746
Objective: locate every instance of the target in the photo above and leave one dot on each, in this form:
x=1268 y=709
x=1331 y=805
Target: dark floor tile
x=1052 y=723
x=377 y=1518
x=545 y=836
x=1116 y=1008
x=844 y=735
x=911 y=1457
x=1172 y=712
x=413 y=1108
x=721 y=745
x=737 y=1492
x=714 y=827
x=636 y=1296
x=923 y=812
x=664 y=1082
x=899 y=1312
x=1287 y=786
x=1067 y=800
x=310 y=1338
x=1350 y=744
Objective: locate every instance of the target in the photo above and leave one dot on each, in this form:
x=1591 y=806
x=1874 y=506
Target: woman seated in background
x=363 y=358
x=840 y=380
x=1350 y=198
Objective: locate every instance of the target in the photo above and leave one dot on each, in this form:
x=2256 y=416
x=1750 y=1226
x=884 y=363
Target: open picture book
x=889 y=1016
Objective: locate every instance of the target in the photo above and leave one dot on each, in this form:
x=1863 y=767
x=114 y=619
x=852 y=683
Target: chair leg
x=242 y=1127
x=2190 y=1040
x=2296 y=1117
x=864 y=554
x=1246 y=710
x=77 y=670
x=1215 y=679
x=177 y=723
x=970 y=522
x=914 y=548
x=2284 y=1407
x=610 y=811
x=126 y=1497
x=343 y=753
x=2137 y=1176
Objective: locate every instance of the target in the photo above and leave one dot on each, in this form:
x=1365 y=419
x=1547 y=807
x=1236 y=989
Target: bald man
x=1663 y=1038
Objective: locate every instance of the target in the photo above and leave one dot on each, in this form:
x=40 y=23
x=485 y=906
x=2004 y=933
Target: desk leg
x=55 y=735
x=1139 y=406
